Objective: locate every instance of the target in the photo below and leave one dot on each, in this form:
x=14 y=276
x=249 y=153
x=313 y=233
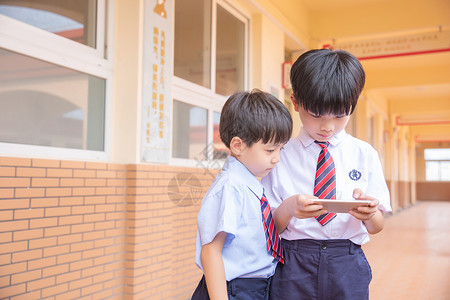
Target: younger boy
x=324 y=259
x=238 y=247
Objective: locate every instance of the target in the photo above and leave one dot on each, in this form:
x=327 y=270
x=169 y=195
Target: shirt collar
x=307 y=140
x=244 y=175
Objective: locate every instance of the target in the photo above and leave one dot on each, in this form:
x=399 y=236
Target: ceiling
x=405 y=82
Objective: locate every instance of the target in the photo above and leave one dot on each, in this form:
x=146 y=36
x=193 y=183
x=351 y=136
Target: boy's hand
x=299 y=206
x=303 y=206
x=364 y=213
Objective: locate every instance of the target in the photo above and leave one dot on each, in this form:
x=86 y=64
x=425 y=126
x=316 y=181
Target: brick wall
x=84 y=230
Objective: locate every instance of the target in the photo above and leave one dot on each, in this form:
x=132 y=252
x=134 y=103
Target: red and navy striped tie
x=325 y=182
x=273 y=239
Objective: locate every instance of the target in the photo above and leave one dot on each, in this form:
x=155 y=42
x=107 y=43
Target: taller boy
x=323 y=254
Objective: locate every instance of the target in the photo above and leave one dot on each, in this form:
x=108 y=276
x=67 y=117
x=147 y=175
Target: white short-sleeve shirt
x=232 y=205
x=357 y=166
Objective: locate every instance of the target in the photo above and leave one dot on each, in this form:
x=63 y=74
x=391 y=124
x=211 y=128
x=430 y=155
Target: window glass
x=47 y=105
x=192 y=55
x=437 y=163
x=75 y=20
x=189 y=131
x=229 y=53
x=220 y=150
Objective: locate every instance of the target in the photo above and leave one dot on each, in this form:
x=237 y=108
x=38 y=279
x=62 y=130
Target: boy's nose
x=276 y=158
x=327 y=126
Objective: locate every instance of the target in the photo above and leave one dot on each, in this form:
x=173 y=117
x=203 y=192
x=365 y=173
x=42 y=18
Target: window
x=210 y=63
x=54 y=78
x=437 y=164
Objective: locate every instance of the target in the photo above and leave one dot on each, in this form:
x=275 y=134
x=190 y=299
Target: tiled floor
x=410 y=258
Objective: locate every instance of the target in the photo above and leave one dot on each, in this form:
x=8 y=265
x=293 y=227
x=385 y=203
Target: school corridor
x=410 y=258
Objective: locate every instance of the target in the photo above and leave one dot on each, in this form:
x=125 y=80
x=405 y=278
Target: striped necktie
x=325 y=182
x=274 y=246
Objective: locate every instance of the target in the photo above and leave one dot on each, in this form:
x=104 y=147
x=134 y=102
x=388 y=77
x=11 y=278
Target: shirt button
x=323 y=246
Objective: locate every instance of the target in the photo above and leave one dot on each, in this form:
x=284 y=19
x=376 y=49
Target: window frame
x=37 y=43
x=203 y=97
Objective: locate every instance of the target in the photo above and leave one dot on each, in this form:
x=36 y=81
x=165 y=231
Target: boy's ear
x=237 y=145
x=294 y=102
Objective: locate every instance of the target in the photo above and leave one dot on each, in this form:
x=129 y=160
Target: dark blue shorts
x=238 y=289
x=314 y=269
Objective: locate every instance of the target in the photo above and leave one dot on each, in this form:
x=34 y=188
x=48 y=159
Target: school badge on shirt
x=354 y=175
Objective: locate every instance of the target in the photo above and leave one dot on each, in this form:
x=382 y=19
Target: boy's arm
x=211 y=256
x=372 y=217
x=299 y=206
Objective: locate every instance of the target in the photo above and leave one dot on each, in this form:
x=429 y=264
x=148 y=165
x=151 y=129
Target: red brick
x=82 y=227
x=85 y=209
x=91 y=289
x=65 y=182
x=27 y=234
x=92 y=271
x=14 y=203
x=30 y=172
x=26 y=255
x=57 y=289
x=12 y=290
x=6 y=193
x=13 y=225
x=41 y=263
x=57 y=211
x=56 y=250
x=60 y=173
x=30 y=192
x=13 y=247
x=42 y=243
x=75 y=247
x=31 y=213
x=13 y=268
x=82 y=264
x=94 y=217
x=44 y=222
x=106 y=174
x=45 y=163
x=96 y=165
x=45 y=182
x=83 y=191
x=89 y=236
x=72 y=164
x=6 y=215
x=57 y=231
x=92 y=253
x=68 y=220
x=44 y=202
x=5 y=281
x=40 y=283
x=104 y=225
x=95 y=182
x=67 y=201
x=68 y=258
x=25 y=276
x=68 y=277
x=69 y=295
x=69 y=239
x=84 y=174
x=76 y=284
x=95 y=200
x=58 y=192
x=7 y=171
x=55 y=270
x=14 y=182
x=15 y=161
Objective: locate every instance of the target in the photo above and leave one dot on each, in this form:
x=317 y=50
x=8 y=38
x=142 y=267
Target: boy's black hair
x=327 y=81
x=254 y=116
